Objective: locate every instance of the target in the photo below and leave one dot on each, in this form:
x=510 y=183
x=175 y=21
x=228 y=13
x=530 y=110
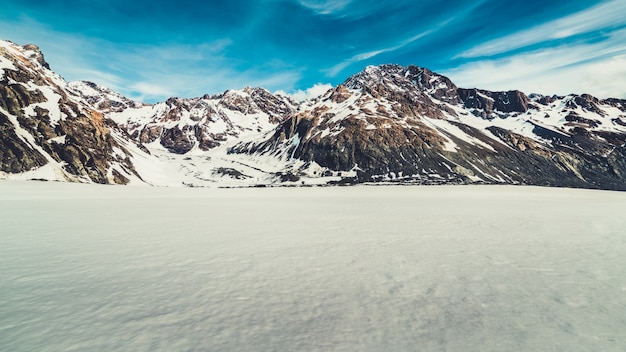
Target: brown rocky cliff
x=85 y=147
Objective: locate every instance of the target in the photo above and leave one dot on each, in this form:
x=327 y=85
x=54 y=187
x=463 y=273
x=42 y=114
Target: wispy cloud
x=157 y=85
x=448 y=20
x=311 y=92
x=147 y=90
x=335 y=70
x=325 y=7
x=155 y=72
x=598 y=68
x=605 y=15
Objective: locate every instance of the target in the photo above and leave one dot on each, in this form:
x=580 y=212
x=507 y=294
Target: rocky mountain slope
x=385 y=124
x=392 y=123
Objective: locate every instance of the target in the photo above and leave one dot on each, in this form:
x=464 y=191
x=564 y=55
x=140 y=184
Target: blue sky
x=151 y=50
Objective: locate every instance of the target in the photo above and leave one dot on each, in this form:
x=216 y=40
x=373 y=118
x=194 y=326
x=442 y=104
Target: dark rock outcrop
x=15 y=154
x=486 y=103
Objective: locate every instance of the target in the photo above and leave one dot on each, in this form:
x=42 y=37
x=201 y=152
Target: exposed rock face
x=15 y=97
x=15 y=154
x=177 y=140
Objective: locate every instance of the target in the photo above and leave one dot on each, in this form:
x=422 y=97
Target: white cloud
x=102 y=78
x=598 y=69
x=148 y=90
x=159 y=85
x=325 y=7
x=309 y=93
x=604 y=15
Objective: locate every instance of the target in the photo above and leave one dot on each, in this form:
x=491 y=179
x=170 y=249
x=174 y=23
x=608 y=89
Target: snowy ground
x=439 y=268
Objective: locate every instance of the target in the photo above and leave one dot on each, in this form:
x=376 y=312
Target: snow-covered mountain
x=408 y=124
x=182 y=125
x=385 y=124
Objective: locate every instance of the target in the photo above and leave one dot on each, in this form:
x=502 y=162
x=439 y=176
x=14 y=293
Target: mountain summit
x=387 y=123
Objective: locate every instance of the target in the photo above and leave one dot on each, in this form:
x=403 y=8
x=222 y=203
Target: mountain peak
x=410 y=80
x=102 y=98
x=30 y=52
x=373 y=75
x=33 y=52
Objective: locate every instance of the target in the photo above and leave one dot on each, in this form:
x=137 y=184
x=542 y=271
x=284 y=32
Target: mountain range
x=386 y=124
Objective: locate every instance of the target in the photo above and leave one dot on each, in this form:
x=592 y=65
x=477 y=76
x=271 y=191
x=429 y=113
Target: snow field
x=368 y=268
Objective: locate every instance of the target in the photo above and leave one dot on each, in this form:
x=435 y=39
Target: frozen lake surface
x=437 y=268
